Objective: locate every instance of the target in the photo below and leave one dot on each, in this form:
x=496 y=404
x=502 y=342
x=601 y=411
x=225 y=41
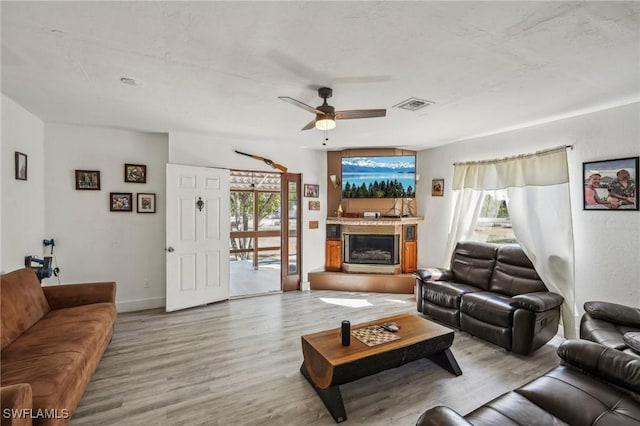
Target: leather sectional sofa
x=492 y=292
x=613 y=325
x=593 y=385
x=53 y=338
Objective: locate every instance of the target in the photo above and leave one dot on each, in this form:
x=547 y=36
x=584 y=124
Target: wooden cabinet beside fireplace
x=333 y=255
x=333 y=248
x=409 y=248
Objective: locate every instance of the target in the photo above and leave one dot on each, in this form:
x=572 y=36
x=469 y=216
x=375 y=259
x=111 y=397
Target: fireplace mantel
x=379 y=221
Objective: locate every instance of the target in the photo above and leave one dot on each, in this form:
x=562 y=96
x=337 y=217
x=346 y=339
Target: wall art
x=146 y=203
x=88 y=180
x=121 y=201
x=610 y=184
x=135 y=173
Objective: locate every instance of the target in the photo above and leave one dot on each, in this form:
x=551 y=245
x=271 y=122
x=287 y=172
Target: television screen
x=379 y=177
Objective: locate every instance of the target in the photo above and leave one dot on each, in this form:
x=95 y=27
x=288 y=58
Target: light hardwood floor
x=237 y=363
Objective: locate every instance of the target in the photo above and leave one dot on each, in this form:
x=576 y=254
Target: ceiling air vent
x=413 y=104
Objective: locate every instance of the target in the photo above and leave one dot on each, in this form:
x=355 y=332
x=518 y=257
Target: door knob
x=170 y=249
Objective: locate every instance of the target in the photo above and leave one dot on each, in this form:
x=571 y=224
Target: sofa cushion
x=603 y=332
x=561 y=396
x=58 y=355
x=488 y=307
x=446 y=293
x=22 y=304
x=511 y=409
x=514 y=273
x=472 y=263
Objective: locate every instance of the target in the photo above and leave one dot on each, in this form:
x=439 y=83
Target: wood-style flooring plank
x=237 y=363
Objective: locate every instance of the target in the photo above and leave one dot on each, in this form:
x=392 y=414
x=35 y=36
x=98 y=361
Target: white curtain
x=539 y=209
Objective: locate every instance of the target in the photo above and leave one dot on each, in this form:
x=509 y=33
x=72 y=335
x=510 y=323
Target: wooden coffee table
x=327 y=364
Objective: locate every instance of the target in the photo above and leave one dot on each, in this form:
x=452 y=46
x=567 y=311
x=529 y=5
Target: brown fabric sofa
x=492 y=292
x=52 y=339
x=611 y=324
x=593 y=385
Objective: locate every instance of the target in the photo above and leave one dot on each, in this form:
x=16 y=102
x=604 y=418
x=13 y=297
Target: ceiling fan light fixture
x=325 y=124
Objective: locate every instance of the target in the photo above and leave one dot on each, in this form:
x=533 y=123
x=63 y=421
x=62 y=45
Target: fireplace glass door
x=372 y=249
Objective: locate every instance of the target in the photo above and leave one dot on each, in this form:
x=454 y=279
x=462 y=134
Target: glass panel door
x=291 y=261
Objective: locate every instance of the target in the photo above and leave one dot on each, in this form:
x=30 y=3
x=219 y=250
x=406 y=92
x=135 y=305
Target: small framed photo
x=437 y=187
x=21 y=166
x=146 y=203
x=314 y=205
x=311 y=190
x=135 y=173
x=88 y=180
x=121 y=201
x=610 y=184
x=313 y=224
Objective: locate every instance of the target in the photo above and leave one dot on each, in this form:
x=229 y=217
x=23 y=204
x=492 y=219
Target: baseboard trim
x=140 y=304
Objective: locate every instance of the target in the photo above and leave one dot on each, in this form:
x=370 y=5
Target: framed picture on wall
x=121 y=201
x=88 y=180
x=437 y=187
x=146 y=203
x=21 y=165
x=311 y=190
x=610 y=184
x=135 y=173
x=314 y=205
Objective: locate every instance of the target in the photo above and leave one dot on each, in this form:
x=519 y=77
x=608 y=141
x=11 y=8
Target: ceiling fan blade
x=310 y=125
x=360 y=113
x=300 y=104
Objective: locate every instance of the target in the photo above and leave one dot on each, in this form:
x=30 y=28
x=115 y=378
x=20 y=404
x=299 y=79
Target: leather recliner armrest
x=68 y=295
x=613 y=312
x=433 y=274
x=16 y=403
x=539 y=301
x=441 y=416
x=606 y=363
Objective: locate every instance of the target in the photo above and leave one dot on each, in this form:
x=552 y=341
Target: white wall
x=202 y=150
x=93 y=243
x=22 y=201
x=607 y=243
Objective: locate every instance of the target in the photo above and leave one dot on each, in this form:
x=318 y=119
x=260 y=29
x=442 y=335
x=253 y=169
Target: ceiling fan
x=326 y=115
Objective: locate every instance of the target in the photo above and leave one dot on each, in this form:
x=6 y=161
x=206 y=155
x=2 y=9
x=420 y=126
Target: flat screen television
x=379 y=177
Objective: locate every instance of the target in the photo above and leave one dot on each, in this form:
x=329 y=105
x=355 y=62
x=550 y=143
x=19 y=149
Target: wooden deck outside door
x=291 y=231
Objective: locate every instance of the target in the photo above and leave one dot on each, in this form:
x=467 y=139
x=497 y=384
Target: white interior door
x=197 y=236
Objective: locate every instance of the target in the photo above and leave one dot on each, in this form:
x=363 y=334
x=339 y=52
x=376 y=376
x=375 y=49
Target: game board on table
x=374 y=335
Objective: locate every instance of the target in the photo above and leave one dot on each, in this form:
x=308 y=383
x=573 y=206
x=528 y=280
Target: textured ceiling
x=218 y=67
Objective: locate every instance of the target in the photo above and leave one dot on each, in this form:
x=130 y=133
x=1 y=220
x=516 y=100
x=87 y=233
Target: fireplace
x=372 y=249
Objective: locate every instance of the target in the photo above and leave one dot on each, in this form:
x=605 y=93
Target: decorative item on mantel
x=339 y=211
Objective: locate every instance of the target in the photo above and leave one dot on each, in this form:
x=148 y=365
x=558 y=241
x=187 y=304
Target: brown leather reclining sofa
x=493 y=292
x=593 y=385
x=53 y=338
x=613 y=325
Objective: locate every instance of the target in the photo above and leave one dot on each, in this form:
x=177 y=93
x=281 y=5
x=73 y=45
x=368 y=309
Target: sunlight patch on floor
x=402 y=302
x=350 y=303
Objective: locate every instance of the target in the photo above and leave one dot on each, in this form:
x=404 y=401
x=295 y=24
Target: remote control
x=390 y=326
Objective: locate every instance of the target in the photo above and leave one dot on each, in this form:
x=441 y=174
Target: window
x=494 y=225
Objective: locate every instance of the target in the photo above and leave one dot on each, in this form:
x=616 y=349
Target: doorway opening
x=255 y=252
